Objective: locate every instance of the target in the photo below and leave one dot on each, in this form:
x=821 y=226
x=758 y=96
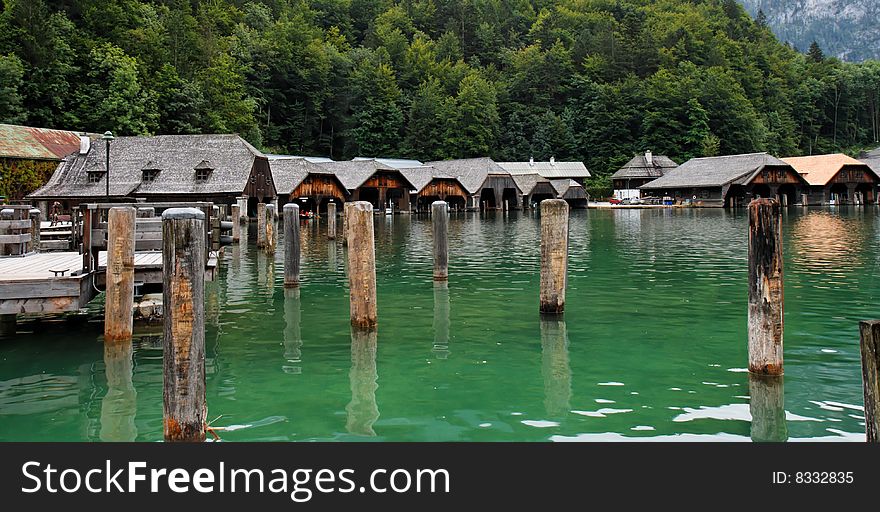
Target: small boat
x=389 y=211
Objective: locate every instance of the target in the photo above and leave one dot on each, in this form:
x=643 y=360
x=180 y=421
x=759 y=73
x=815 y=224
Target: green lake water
x=652 y=345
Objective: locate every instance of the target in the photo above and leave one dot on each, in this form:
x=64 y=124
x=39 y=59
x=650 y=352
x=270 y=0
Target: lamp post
x=108 y=136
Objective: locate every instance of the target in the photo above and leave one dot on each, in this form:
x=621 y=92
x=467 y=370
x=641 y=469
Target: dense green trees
x=593 y=80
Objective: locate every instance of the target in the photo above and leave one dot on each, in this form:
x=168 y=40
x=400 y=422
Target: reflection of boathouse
x=730 y=181
x=836 y=179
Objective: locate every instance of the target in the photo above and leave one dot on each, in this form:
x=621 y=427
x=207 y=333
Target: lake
x=652 y=345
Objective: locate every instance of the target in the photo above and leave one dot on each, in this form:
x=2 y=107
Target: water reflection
x=331 y=255
x=292 y=334
x=119 y=405
x=266 y=273
x=441 y=320
x=827 y=244
x=767 y=408
x=555 y=366
x=363 y=410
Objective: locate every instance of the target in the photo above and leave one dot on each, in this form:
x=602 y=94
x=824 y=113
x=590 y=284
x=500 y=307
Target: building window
x=202 y=175
x=95 y=177
x=149 y=175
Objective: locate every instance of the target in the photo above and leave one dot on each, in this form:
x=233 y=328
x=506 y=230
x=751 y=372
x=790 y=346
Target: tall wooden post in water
x=183 y=257
x=270 y=229
x=236 y=223
x=261 y=225
x=440 y=223
x=345 y=207
x=361 y=264
x=554 y=255
x=331 y=220
x=120 y=274
x=765 y=287
x=291 y=245
x=870 y=334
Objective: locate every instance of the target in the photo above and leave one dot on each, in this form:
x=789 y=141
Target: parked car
x=614 y=200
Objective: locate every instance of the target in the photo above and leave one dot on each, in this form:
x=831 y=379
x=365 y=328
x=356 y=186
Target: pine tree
x=815 y=53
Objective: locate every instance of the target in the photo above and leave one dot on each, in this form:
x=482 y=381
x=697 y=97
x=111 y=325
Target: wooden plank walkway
x=28 y=285
x=38 y=266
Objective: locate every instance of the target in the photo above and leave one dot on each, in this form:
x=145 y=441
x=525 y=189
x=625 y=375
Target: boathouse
x=370 y=180
x=487 y=184
x=642 y=169
x=164 y=168
x=836 y=179
x=309 y=185
x=552 y=170
x=730 y=181
x=431 y=184
x=29 y=156
x=872 y=158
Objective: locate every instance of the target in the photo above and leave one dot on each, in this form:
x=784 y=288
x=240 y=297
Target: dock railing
x=17 y=231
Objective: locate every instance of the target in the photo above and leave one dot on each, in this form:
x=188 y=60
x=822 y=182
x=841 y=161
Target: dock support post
x=183 y=255
x=261 y=225
x=345 y=223
x=765 y=287
x=120 y=274
x=291 y=245
x=236 y=223
x=215 y=228
x=270 y=229
x=36 y=217
x=362 y=265
x=146 y=212
x=331 y=220
x=554 y=255
x=8 y=324
x=440 y=223
x=242 y=209
x=870 y=345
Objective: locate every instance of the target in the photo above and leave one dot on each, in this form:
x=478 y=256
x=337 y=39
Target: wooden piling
x=120 y=274
x=291 y=245
x=361 y=264
x=870 y=345
x=554 y=255
x=765 y=288
x=331 y=220
x=183 y=256
x=36 y=218
x=261 y=225
x=345 y=224
x=440 y=223
x=236 y=223
x=271 y=237
x=146 y=212
x=215 y=228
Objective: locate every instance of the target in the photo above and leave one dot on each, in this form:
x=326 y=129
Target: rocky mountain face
x=848 y=29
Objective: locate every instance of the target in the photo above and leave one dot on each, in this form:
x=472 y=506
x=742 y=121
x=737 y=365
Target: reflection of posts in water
x=441 y=319
x=767 y=407
x=292 y=334
x=363 y=410
x=119 y=406
x=555 y=367
x=331 y=255
x=212 y=303
x=266 y=272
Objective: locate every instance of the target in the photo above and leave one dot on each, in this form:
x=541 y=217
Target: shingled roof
x=872 y=158
x=715 y=171
x=229 y=157
x=288 y=173
x=470 y=172
x=820 y=169
x=638 y=167
x=30 y=143
x=353 y=173
x=550 y=170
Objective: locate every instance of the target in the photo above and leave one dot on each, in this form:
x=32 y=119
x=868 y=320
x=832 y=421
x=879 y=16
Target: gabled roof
x=353 y=173
x=36 y=143
x=526 y=183
x=421 y=177
x=470 y=172
x=820 y=169
x=397 y=163
x=550 y=170
x=715 y=171
x=562 y=186
x=872 y=158
x=288 y=173
x=312 y=159
x=638 y=167
x=176 y=157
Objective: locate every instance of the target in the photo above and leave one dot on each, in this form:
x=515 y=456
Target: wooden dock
x=148 y=267
x=29 y=285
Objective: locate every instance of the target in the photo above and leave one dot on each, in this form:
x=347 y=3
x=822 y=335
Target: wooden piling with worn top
x=331 y=220
x=236 y=223
x=270 y=230
x=440 y=224
x=870 y=349
x=119 y=302
x=345 y=224
x=554 y=255
x=361 y=264
x=36 y=218
x=766 y=302
x=183 y=255
x=291 y=245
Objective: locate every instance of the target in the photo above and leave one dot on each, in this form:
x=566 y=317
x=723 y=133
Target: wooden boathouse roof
x=716 y=171
x=872 y=158
x=818 y=170
x=353 y=173
x=639 y=167
x=550 y=170
x=470 y=172
x=289 y=173
x=176 y=158
x=29 y=143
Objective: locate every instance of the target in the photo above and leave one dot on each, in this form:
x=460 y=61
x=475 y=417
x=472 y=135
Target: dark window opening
x=202 y=174
x=95 y=177
x=149 y=175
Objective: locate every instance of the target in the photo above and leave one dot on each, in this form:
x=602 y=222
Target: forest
x=590 y=80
